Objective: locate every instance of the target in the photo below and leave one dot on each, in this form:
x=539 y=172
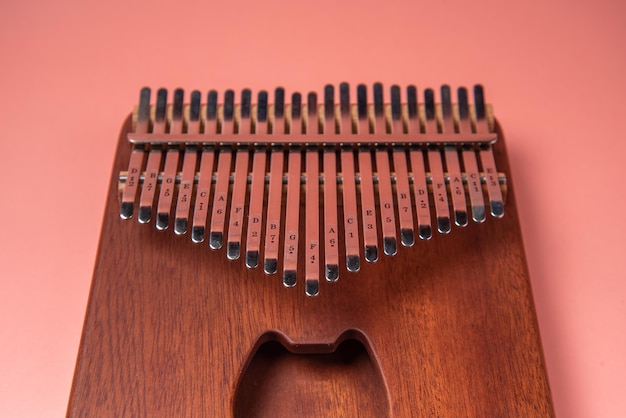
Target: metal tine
x=229 y=107
x=296 y=111
x=194 y=111
x=151 y=175
x=205 y=178
x=274 y=197
x=469 y=160
x=403 y=192
x=368 y=203
x=143 y=112
x=177 y=111
x=262 y=108
x=185 y=188
x=385 y=194
x=257 y=186
x=160 y=111
x=312 y=215
x=416 y=155
x=465 y=124
x=486 y=156
x=396 y=109
x=362 y=107
x=210 y=126
x=168 y=182
x=136 y=157
x=344 y=101
x=329 y=103
x=379 y=107
x=331 y=228
x=350 y=212
x=479 y=108
x=412 y=109
x=240 y=183
x=457 y=191
x=279 y=110
x=245 y=113
x=440 y=194
x=292 y=210
x=220 y=199
x=446 y=109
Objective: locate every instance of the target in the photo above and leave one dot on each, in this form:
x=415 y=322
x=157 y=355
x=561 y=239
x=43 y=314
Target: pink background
x=554 y=70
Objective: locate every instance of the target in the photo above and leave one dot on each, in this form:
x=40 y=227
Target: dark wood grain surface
x=445 y=328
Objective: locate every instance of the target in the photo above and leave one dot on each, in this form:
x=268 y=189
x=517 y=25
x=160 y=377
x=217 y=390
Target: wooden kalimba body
x=338 y=259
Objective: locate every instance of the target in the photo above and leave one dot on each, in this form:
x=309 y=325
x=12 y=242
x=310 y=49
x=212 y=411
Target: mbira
x=311 y=256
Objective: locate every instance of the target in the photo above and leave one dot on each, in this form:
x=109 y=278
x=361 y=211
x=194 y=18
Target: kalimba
x=414 y=303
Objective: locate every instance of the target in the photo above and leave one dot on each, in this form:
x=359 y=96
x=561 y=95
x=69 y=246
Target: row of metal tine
x=338 y=166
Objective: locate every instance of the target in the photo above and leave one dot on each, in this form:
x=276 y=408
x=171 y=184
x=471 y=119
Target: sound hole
x=345 y=383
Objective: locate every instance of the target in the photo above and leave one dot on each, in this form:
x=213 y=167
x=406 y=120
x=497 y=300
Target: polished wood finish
x=445 y=328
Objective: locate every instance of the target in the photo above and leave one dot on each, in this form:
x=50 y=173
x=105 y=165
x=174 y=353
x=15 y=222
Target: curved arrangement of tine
x=365 y=171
